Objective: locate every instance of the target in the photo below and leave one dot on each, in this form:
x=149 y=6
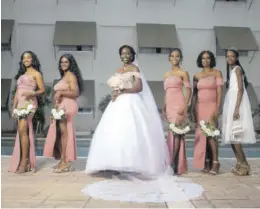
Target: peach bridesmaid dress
x=175 y=101
x=206 y=105
x=51 y=148
x=25 y=83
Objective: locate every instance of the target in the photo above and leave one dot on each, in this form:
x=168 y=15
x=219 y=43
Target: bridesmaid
x=237 y=113
x=29 y=85
x=205 y=105
x=61 y=140
x=175 y=109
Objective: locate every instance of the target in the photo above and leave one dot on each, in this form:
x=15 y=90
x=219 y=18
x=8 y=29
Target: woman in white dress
x=130 y=139
x=238 y=126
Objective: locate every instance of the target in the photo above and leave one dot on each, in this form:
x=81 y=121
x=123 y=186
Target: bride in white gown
x=130 y=139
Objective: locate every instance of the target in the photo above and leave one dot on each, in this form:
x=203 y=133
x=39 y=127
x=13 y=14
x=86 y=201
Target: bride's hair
x=132 y=51
x=235 y=52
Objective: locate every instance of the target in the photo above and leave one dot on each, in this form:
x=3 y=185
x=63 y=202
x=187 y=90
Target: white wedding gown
x=245 y=113
x=130 y=139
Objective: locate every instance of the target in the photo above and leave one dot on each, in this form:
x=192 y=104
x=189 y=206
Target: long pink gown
x=175 y=101
x=25 y=83
x=51 y=148
x=206 y=105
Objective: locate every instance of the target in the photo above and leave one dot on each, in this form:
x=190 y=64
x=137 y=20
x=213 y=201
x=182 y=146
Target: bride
x=130 y=140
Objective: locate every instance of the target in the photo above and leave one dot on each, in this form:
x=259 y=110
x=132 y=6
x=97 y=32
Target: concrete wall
x=116 y=20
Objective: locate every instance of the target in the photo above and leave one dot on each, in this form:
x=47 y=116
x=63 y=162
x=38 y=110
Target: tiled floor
x=45 y=189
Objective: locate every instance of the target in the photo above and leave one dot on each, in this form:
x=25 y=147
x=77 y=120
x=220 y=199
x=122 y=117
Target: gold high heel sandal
x=235 y=168
x=56 y=166
x=217 y=169
x=244 y=170
x=67 y=168
x=26 y=168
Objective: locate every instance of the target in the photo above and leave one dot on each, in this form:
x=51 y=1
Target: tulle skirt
x=126 y=140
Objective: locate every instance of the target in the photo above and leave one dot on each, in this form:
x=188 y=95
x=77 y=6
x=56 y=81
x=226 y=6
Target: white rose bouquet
x=116 y=82
x=180 y=129
x=22 y=113
x=57 y=114
x=209 y=129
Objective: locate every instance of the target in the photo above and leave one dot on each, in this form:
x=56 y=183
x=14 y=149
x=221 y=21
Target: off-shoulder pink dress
x=51 y=148
x=206 y=105
x=25 y=83
x=175 y=101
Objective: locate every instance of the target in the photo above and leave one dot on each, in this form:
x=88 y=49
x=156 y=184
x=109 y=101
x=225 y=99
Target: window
x=147 y=50
x=78 y=48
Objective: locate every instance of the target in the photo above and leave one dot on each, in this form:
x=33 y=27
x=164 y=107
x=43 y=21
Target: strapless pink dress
x=206 y=105
x=25 y=83
x=71 y=107
x=175 y=100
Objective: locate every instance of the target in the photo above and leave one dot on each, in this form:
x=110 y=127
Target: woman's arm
x=73 y=91
x=40 y=84
x=186 y=80
x=194 y=98
x=15 y=101
x=240 y=87
x=219 y=90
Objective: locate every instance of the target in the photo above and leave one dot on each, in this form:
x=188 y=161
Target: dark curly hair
x=212 y=59
x=73 y=67
x=35 y=64
x=176 y=50
x=132 y=51
x=235 y=52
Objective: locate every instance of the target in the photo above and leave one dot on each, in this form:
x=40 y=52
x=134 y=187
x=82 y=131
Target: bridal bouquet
x=57 y=114
x=180 y=129
x=209 y=129
x=116 y=82
x=21 y=113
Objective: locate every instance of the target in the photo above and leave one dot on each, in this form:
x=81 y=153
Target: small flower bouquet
x=116 y=82
x=180 y=129
x=22 y=113
x=209 y=129
x=57 y=114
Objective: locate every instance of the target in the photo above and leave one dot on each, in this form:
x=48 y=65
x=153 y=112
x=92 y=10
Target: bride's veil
x=155 y=123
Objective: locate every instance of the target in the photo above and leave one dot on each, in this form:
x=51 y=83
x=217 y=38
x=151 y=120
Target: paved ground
x=45 y=189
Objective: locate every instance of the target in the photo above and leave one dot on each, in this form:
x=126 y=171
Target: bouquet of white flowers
x=181 y=129
x=57 y=114
x=209 y=129
x=21 y=113
x=116 y=82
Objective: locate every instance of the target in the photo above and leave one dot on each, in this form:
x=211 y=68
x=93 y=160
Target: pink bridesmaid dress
x=71 y=109
x=206 y=105
x=25 y=83
x=175 y=101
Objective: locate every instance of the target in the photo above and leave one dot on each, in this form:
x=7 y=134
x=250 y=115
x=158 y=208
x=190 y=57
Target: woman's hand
x=236 y=115
x=115 y=94
x=58 y=96
x=183 y=110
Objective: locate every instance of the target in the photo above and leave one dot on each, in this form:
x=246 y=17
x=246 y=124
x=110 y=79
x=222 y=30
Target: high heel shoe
x=67 y=168
x=244 y=170
x=235 y=168
x=22 y=169
x=215 y=172
x=206 y=169
x=56 y=166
